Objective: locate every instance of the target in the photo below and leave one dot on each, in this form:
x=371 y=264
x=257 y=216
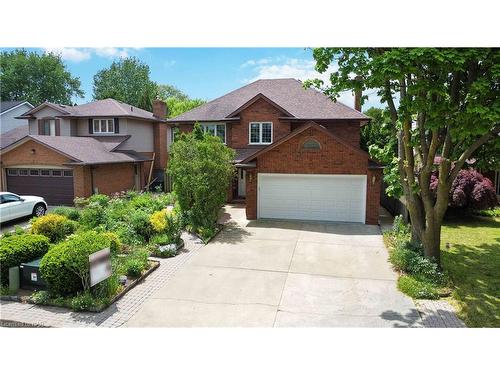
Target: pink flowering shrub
x=470 y=190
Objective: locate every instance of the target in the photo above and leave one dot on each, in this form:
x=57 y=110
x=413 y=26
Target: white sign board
x=100 y=266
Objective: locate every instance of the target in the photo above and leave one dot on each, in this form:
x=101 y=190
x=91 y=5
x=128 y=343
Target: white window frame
x=260 y=132
x=99 y=125
x=205 y=125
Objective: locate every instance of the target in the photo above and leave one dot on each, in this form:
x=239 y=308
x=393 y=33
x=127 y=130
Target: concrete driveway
x=283 y=274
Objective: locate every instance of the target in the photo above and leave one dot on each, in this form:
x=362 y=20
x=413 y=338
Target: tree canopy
x=36 y=78
x=168 y=91
x=127 y=80
x=177 y=106
x=441 y=102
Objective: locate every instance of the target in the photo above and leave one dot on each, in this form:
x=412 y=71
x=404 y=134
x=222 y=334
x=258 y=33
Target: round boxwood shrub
x=55 y=227
x=65 y=267
x=20 y=248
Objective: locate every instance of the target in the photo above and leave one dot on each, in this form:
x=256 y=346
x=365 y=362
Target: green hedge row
x=17 y=249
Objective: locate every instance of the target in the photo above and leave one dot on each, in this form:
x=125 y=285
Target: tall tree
x=441 y=102
x=126 y=80
x=36 y=78
x=168 y=91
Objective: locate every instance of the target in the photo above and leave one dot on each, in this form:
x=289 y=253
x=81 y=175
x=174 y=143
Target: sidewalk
x=16 y=314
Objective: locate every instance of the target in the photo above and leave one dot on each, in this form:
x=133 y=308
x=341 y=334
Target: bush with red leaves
x=470 y=190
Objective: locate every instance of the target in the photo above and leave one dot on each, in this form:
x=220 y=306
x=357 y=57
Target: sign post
x=100 y=266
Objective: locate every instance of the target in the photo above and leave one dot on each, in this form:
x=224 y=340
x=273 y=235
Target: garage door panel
x=56 y=190
x=312 y=197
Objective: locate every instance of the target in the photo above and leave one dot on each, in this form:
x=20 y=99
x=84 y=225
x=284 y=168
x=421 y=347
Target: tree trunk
x=431 y=241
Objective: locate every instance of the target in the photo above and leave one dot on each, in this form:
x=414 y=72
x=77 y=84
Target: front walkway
x=25 y=314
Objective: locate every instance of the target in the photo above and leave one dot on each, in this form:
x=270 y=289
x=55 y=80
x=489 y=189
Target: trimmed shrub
x=17 y=249
x=69 y=212
x=65 y=267
x=415 y=288
x=55 y=227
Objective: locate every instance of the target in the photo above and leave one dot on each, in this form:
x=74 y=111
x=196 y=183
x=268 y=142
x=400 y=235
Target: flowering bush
x=470 y=190
x=167 y=223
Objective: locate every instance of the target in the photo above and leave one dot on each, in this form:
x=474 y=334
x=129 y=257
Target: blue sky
x=205 y=73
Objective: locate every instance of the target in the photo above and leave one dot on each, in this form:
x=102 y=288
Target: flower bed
x=132 y=225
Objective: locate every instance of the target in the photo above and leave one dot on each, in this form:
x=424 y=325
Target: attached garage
x=312 y=197
x=55 y=185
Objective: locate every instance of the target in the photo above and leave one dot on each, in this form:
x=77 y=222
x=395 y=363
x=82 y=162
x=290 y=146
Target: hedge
x=17 y=249
x=55 y=227
x=65 y=267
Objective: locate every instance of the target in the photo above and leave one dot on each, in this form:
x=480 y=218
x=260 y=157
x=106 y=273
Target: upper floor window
x=104 y=126
x=174 y=131
x=218 y=130
x=48 y=127
x=261 y=133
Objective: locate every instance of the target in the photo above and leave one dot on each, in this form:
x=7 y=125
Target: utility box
x=30 y=275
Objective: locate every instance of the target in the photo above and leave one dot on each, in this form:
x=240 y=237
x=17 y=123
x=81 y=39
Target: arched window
x=311 y=144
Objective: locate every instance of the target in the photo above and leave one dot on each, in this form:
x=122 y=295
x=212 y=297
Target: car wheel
x=39 y=210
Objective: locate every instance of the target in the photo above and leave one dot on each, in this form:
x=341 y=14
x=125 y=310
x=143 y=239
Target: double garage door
x=54 y=185
x=312 y=197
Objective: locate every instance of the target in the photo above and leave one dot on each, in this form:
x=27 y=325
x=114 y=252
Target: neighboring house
x=297 y=152
x=9 y=111
x=104 y=146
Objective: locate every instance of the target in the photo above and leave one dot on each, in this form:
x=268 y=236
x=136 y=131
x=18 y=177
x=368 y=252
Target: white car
x=13 y=206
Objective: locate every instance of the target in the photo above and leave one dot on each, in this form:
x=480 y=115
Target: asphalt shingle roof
x=287 y=93
x=6 y=105
x=105 y=107
x=87 y=150
x=13 y=135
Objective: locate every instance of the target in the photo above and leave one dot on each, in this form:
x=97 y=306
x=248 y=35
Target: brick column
x=374 y=184
x=251 y=191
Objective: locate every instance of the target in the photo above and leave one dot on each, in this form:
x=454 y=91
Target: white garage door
x=312 y=197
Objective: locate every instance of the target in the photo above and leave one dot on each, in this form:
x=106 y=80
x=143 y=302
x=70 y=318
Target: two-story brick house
x=105 y=146
x=298 y=154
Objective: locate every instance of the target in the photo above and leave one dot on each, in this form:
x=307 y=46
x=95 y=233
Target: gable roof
x=309 y=124
x=82 y=150
x=6 y=106
x=106 y=108
x=288 y=94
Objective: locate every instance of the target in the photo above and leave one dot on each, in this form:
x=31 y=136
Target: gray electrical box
x=30 y=275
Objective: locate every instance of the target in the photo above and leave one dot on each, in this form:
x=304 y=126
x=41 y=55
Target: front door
x=242 y=189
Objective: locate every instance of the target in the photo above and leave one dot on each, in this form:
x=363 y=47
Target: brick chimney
x=357 y=96
x=160 y=135
x=160 y=109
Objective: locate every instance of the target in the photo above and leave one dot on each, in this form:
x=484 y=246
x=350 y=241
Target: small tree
x=470 y=190
x=202 y=169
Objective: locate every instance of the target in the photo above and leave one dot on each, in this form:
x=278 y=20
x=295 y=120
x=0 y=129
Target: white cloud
x=82 y=54
x=71 y=54
x=112 y=52
x=302 y=69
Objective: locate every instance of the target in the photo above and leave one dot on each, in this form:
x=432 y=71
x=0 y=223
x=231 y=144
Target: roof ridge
x=116 y=103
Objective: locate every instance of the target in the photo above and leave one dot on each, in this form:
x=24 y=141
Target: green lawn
x=473 y=263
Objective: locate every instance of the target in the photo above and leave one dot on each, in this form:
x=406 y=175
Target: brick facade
x=107 y=178
x=333 y=158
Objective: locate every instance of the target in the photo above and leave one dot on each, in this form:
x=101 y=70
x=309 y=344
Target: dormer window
x=104 y=126
x=260 y=133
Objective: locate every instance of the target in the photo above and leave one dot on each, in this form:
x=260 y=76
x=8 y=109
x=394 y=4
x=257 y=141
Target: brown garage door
x=55 y=185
